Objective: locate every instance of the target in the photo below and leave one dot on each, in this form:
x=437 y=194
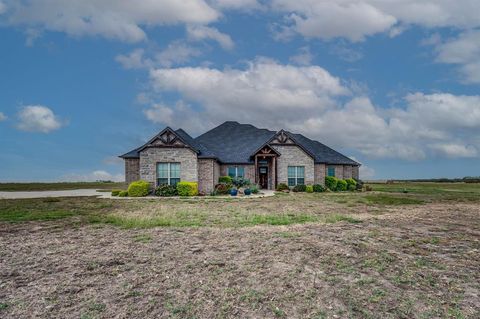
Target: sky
x=393 y=84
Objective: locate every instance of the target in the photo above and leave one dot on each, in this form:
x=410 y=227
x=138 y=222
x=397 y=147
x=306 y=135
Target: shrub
x=254 y=189
x=318 y=188
x=115 y=192
x=331 y=183
x=359 y=185
x=225 y=180
x=222 y=189
x=166 y=190
x=282 y=187
x=138 y=189
x=187 y=188
x=300 y=188
x=351 y=187
x=240 y=182
x=309 y=189
x=123 y=194
x=341 y=185
x=351 y=181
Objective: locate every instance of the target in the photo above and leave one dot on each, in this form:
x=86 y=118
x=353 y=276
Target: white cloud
x=38 y=118
x=3 y=117
x=113 y=19
x=198 y=33
x=357 y=19
x=3 y=7
x=246 y=5
x=177 y=52
x=98 y=175
x=304 y=56
x=464 y=51
x=311 y=101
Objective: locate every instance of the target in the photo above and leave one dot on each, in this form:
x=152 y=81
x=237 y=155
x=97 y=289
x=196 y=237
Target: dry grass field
x=402 y=251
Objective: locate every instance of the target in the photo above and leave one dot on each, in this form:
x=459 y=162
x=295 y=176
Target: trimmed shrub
x=331 y=182
x=318 y=188
x=351 y=187
x=225 y=180
x=300 y=188
x=138 y=189
x=359 y=186
x=187 y=188
x=240 y=182
x=309 y=189
x=222 y=189
x=254 y=189
x=123 y=194
x=282 y=187
x=351 y=181
x=115 y=192
x=341 y=185
x=166 y=190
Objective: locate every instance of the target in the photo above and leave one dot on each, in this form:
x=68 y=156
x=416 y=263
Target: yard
x=402 y=251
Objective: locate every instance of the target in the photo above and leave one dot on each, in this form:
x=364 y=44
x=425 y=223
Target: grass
x=335 y=218
x=384 y=199
x=16 y=187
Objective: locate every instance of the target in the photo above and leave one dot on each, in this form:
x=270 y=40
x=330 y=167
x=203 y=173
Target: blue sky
x=394 y=84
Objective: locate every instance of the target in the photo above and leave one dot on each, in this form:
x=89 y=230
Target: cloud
x=98 y=175
x=177 y=52
x=304 y=56
x=464 y=51
x=246 y=5
x=38 y=118
x=3 y=117
x=198 y=33
x=311 y=101
x=112 y=19
x=3 y=7
x=357 y=19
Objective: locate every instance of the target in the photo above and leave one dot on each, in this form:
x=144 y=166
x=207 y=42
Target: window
x=168 y=173
x=236 y=172
x=296 y=175
x=331 y=171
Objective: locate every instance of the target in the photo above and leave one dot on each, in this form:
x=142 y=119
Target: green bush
x=351 y=188
x=359 y=186
x=300 y=188
x=341 y=185
x=240 y=182
x=318 y=188
x=138 y=189
x=166 y=190
x=254 y=189
x=351 y=181
x=225 y=180
x=115 y=192
x=222 y=189
x=187 y=188
x=309 y=189
x=123 y=194
x=331 y=183
x=282 y=187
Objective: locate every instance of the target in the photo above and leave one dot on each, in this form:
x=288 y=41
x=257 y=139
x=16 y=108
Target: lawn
x=403 y=251
x=20 y=187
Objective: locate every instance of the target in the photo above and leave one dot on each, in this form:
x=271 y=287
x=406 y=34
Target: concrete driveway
x=41 y=194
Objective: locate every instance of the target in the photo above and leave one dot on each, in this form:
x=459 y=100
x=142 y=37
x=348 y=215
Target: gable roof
x=235 y=143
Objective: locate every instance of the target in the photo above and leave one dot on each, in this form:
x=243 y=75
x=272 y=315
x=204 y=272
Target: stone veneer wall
x=187 y=158
x=347 y=171
x=338 y=171
x=355 y=173
x=132 y=170
x=248 y=169
x=320 y=173
x=292 y=155
x=208 y=173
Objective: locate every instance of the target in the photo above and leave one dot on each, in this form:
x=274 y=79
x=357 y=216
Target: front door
x=263 y=176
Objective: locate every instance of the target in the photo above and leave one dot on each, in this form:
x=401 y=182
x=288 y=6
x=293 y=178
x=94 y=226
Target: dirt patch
x=415 y=262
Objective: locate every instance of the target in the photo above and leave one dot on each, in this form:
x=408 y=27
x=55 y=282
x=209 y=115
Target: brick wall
x=208 y=173
x=347 y=171
x=355 y=173
x=320 y=173
x=292 y=155
x=149 y=158
x=132 y=170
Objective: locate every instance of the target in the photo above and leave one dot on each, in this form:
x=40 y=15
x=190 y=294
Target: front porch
x=266 y=168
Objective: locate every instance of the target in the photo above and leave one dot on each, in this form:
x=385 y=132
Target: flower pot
x=233 y=192
x=247 y=191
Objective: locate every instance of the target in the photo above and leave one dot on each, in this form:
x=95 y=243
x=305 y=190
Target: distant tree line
x=466 y=179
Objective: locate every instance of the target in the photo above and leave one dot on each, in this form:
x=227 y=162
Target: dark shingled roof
x=232 y=142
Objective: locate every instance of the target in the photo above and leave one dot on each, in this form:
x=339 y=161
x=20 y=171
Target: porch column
x=274 y=173
x=256 y=170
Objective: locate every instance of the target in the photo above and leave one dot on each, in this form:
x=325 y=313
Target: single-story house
x=238 y=150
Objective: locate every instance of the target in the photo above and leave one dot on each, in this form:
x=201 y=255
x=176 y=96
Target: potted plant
x=247 y=191
x=234 y=191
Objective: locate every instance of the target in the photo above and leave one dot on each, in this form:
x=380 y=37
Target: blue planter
x=247 y=191
x=233 y=192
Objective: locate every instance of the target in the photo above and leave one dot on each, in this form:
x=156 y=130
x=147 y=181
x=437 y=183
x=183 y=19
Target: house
x=238 y=150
